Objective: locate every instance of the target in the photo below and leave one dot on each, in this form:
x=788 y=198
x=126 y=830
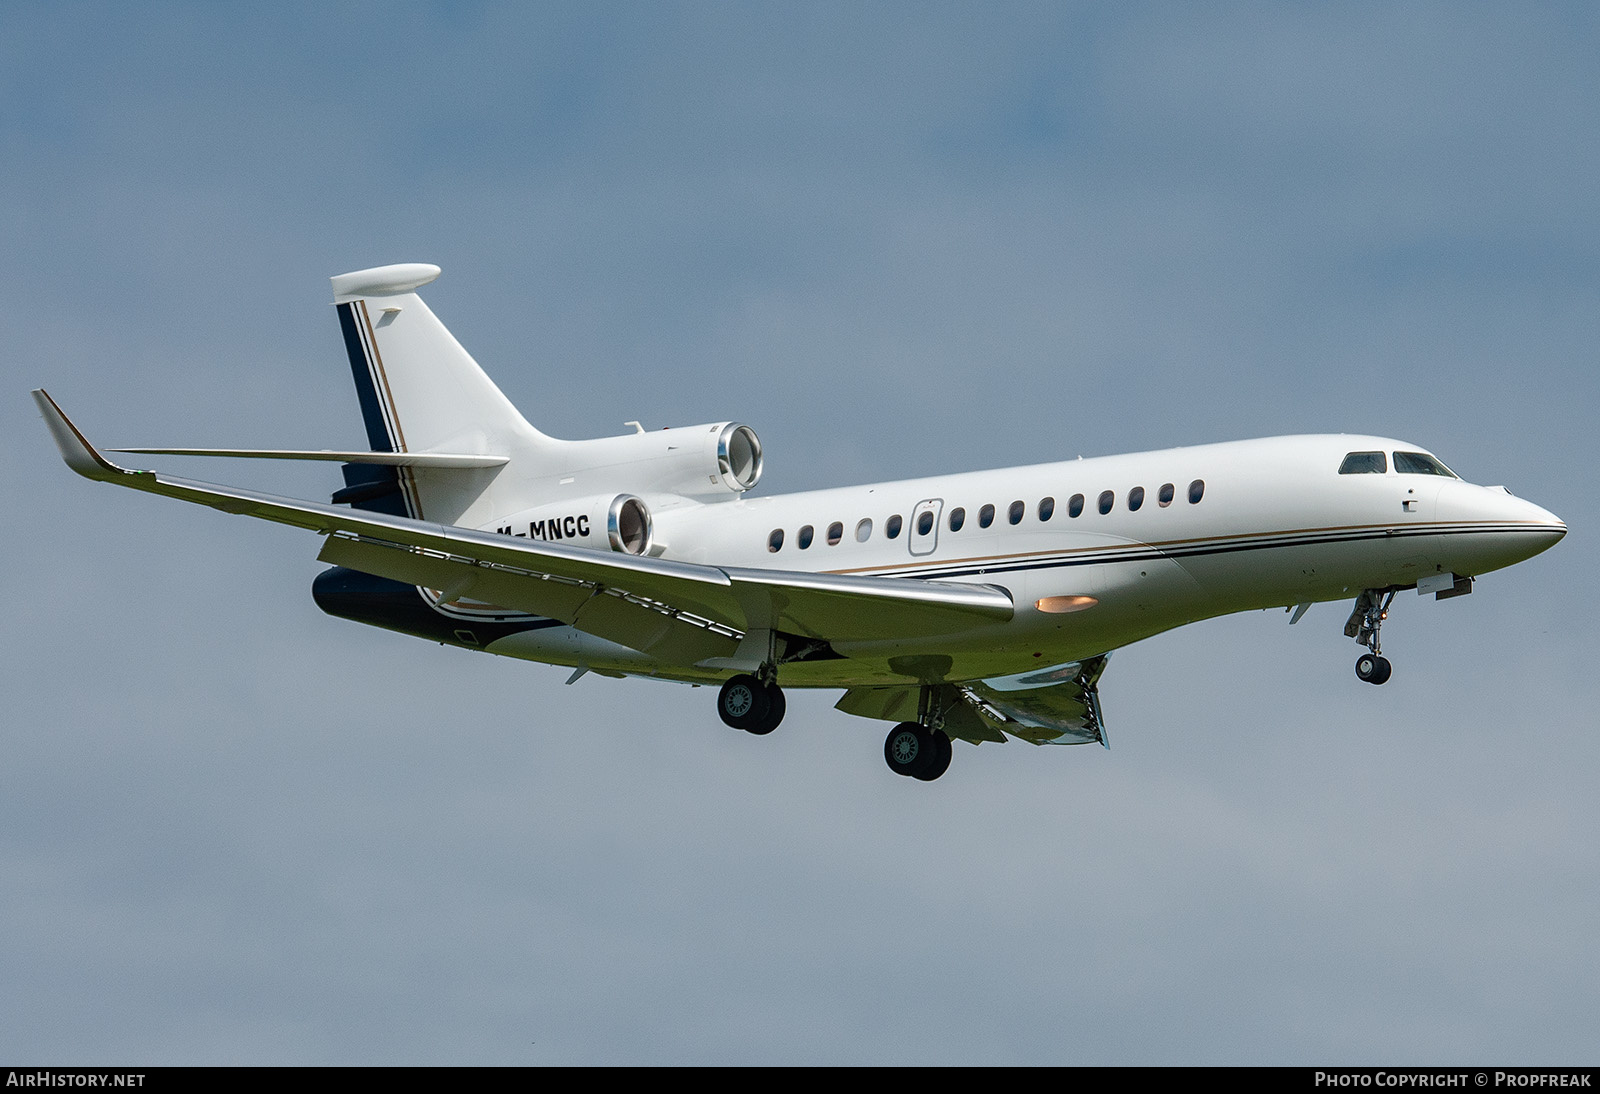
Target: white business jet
x=978 y=606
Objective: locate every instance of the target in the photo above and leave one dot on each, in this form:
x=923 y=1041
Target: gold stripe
x=1163 y=545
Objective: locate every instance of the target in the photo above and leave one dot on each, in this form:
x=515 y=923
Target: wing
x=678 y=612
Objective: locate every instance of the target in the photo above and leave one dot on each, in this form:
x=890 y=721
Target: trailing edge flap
x=960 y=718
x=651 y=604
x=1058 y=705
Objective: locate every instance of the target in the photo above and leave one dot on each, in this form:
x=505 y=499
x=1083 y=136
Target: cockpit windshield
x=1420 y=463
x=1405 y=463
x=1364 y=463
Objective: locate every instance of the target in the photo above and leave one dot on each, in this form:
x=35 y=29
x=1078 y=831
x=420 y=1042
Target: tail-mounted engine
x=616 y=523
x=738 y=457
x=697 y=461
x=700 y=461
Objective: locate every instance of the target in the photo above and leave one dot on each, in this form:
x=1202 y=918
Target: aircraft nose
x=1494 y=528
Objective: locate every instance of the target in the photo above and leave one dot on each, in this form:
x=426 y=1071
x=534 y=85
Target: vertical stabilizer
x=420 y=391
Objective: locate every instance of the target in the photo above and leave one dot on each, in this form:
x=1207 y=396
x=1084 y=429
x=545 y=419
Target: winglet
x=75 y=448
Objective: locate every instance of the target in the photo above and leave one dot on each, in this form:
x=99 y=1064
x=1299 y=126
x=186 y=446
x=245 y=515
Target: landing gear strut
x=754 y=703
x=920 y=749
x=1371 y=609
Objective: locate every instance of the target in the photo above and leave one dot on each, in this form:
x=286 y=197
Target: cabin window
x=1075 y=506
x=1364 y=463
x=924 y=523
x=958 y=517
x=1197 y=490
x=1165 y=494
x=1014 y=515
x=864 y=530
x=986 y=516
x=891 y=527
x=1047 y=508
x=775 y=541
x=835 y=533
x=1420 y=463
x=803 y=540
x=1107 y=500
x=1135 y=499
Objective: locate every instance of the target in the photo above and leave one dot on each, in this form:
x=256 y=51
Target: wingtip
x=75 y=448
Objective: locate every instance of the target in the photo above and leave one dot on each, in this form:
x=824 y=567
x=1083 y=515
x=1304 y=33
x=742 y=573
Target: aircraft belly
x=1281 y=575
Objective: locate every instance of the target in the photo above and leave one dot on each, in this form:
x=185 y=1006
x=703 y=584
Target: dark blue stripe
x=1150 y=554
x=378 y=438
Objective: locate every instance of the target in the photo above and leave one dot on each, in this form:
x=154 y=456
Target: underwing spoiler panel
x=678 y=612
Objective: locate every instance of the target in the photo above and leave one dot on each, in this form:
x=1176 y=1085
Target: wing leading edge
x=680 y=613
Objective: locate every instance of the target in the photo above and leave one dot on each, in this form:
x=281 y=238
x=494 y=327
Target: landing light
x=1060 y=605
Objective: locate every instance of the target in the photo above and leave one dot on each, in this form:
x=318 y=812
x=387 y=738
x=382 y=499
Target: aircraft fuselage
x=1096 y=553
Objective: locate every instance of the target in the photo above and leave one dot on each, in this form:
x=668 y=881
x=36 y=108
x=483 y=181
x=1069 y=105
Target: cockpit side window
x=1420 y=463
x=1364 y=463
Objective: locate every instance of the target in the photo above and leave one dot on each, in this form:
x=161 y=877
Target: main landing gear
x=1371 y=609
x=915 y=750
x=920 y=749
x=748 y=703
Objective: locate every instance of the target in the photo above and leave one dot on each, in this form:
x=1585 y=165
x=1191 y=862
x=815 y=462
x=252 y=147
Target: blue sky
x=896 y=240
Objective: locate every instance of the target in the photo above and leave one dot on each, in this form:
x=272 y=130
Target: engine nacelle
x=619 y=522
x=738 y=454
x=698 y=461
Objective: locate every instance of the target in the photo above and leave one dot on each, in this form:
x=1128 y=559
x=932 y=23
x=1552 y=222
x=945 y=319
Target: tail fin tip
x=382 y=281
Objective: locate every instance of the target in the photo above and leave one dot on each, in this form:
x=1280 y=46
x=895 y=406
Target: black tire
x=743 y=702
x=775 y=708
x=1367 y=668
x=908 y=749
x=1384 y=669
x=938 y=757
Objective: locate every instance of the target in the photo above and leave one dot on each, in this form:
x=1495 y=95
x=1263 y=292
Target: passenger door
x=924 y=535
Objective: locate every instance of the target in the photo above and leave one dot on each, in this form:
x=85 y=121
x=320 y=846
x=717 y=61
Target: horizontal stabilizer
x=388 y=459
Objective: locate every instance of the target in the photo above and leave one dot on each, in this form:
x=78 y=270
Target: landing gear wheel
x=775 y=708
x=1373 y=668
x=913 y=750
x=746 y=703
x=743 y=702
x=906 y=748
x=938 y=757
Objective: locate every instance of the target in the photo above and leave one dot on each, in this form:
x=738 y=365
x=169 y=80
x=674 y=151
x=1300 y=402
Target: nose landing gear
x=1373 y=668
x=1371 y=609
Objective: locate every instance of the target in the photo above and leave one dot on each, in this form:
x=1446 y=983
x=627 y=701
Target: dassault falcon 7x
x=978 y=606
